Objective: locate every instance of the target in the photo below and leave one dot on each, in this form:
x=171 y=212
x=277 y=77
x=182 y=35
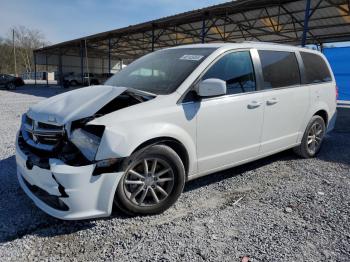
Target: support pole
x=203 y=30
x=87 y=63
x=153 y=38
x=306 y=22
x=102 y=65
x=109 y=55
x=34 y=68
x=82 y=62
x=14 y=51
x=47 y=71
x=60 y=72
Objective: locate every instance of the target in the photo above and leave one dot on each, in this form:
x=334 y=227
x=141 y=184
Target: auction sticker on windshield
x=191 y=57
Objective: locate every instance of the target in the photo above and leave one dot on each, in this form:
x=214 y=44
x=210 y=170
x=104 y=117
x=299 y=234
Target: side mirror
x=211 y=87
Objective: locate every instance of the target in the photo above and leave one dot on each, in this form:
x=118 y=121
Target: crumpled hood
x=73 y=105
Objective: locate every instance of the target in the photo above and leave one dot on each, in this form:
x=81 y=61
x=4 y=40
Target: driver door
x=229 y=127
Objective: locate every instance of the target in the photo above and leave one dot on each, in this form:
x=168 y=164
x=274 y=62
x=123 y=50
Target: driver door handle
x=272 y=101
x=254 y=104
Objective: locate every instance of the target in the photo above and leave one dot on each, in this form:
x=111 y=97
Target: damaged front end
x=56 y=163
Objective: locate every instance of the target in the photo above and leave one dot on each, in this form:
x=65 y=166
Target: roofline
x=174 y=20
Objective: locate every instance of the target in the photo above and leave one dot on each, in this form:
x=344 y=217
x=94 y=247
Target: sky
x=62 y=20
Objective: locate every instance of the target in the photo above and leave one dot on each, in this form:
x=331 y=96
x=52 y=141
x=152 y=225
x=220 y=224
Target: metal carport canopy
x=282 y=21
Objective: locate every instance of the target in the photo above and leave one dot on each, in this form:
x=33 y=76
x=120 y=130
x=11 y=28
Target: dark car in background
x=10 y=82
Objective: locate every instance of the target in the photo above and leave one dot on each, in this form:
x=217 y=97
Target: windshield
x=160 y=72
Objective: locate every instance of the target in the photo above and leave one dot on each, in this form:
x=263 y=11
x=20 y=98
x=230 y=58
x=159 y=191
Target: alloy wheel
x=314 y=138
x=148 y=182
x=11 y=86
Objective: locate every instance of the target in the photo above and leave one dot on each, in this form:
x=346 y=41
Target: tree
x=6 y=63
x=26 y=40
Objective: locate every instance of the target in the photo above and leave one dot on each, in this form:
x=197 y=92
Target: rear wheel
x=11 y=86
x=94 y=82
x=73 y=83
x=312 y=138
x=153 y=181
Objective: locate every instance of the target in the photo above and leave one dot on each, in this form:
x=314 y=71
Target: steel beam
x=109 y=55
x=35 y=68
x=47 y=70
x=81 y=61
x=203 y=30
x=60 y=71
x=153 y=38
x=306 y=22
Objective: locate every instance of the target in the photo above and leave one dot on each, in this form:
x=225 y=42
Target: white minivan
x=169 y=117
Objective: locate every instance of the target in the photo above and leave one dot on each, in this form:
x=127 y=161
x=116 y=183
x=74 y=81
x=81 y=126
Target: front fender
x=122 y=141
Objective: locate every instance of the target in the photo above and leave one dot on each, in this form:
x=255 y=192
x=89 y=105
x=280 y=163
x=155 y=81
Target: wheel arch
x=174 y=144
x=321 y=109
x=322 y=113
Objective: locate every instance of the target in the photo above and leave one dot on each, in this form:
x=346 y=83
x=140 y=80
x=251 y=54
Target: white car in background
x=169 y=117
x=88 y=79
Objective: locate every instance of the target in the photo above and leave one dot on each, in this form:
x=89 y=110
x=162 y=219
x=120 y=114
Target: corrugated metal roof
x=279 y=21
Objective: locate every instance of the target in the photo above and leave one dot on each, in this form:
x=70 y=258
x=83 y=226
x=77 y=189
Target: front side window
x=236 y=69
x=160 y=72
x=316 y=70
x=280 y=69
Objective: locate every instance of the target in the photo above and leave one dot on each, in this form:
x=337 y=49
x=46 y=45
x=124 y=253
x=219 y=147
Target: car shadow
x=336 y=146
x=20 y=217
x=342 y=124
x=239 y=170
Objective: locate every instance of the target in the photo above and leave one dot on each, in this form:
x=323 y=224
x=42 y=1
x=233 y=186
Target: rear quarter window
x=280 y=69
x=316 y=69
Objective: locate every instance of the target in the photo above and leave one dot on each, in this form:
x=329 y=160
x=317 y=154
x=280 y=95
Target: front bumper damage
x=67 y=192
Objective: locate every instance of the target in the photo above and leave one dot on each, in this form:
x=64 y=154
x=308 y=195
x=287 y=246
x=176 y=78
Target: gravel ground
x=280 y=208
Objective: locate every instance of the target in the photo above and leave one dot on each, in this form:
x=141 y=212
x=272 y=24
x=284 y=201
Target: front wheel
x=153 y=180
x=312 y=138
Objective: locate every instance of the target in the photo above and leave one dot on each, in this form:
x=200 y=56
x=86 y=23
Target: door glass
x=236 y=69
x=280 y=69
x=316 y=70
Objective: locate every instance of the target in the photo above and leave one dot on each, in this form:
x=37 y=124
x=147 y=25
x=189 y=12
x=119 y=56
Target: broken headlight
x=87 y=140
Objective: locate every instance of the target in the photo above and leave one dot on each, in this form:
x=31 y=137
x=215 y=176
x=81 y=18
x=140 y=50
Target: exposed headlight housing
x=87 y=140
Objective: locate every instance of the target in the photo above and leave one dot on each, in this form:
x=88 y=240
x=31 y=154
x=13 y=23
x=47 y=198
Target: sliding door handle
x=272 y=101
x=254 y=104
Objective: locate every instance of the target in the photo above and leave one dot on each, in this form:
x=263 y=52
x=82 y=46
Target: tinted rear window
x=280 y=69
x=316 y=69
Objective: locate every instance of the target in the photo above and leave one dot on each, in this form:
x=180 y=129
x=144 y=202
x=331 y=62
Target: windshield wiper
x=137 y=97
x=140 y=92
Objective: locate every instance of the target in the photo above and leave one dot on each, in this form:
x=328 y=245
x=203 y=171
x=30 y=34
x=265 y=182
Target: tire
x=11 y=86
x=73 y=83
x=315 y=126
x=134 y=194
x=94 y=82
x=65 y=84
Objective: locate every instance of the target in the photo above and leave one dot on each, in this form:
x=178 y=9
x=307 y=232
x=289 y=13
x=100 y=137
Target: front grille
x=48 y=126
x=41 y=135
